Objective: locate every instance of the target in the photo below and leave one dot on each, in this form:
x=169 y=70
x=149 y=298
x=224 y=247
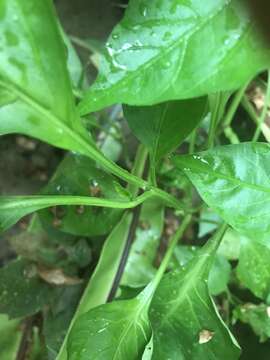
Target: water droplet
x=115 y=36
x=101 y=330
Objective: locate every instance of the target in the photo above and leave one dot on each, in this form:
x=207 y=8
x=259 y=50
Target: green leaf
x=230 y=245
x=79 y=176
x=161 y=128
x=10 y=337
x=101 y=281
x=22 y=292
x=219 y=273
x=118 y=330
x=253 y=269
x=184 y=319
x=57 y=318
x=257 y=316
x=226 y=180
x=38 y=99
x=139 y=270
x=209 y=221
x=167 y=50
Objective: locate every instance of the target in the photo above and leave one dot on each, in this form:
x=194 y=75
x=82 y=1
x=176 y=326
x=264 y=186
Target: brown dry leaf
x=57 y=277
x=257 y=97
x=205 y=336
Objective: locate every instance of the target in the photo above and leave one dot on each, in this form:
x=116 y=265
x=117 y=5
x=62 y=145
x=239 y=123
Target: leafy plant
x=97 y=271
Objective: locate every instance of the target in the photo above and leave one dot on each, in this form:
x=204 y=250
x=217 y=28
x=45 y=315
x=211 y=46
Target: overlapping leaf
x=164 y=50
x=253 y=269
x=165 y=126
x=79 y=176
x=36 y=95
x=184 y=318
x=234 y=181
x=119 y=330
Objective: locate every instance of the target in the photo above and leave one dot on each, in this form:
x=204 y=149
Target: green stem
x=165 y=262
x=234 y=106
x=264 y=111
x=12 y=203
x=213 y=123
x=231 y=135
x=254 y=116
x=138 y=167
x=153 y=178
x=192 y=142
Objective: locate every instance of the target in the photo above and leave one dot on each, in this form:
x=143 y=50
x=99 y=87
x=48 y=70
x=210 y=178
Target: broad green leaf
x=22 y=292
x=184 y=319
x=79 y=176
x=209 y=221
x=35 y=88
x=257 y=316
x=139 y=270
x=234 y=181
x=253 y=269
x=118 y=330
x=10 y=337
x=163 y=127
x=230 y=245
x=101 y=281
x=167 y=50
x=219 y=273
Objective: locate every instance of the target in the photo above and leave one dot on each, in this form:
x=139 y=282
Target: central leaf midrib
x=216 y=174
x=166 y=50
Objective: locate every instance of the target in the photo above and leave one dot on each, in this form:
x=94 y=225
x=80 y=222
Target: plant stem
x=172 y=244
x=138 y=167
x=254 y=116
x=264 y=111
x=234 y=105
x=213 y=124
x=43 y=201
x=192 y=142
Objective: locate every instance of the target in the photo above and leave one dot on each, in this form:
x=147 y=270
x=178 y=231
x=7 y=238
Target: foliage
x=98 y=271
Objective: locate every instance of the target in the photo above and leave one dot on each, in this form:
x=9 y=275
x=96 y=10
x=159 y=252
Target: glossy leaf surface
x=163 y=127
x=118 y=330
x=234 y=181
x=253 y=269
x=164 y=50
x=79 y=176
x=219 y=273
x=101 y=282
x=184 y=318
x=35 y=87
